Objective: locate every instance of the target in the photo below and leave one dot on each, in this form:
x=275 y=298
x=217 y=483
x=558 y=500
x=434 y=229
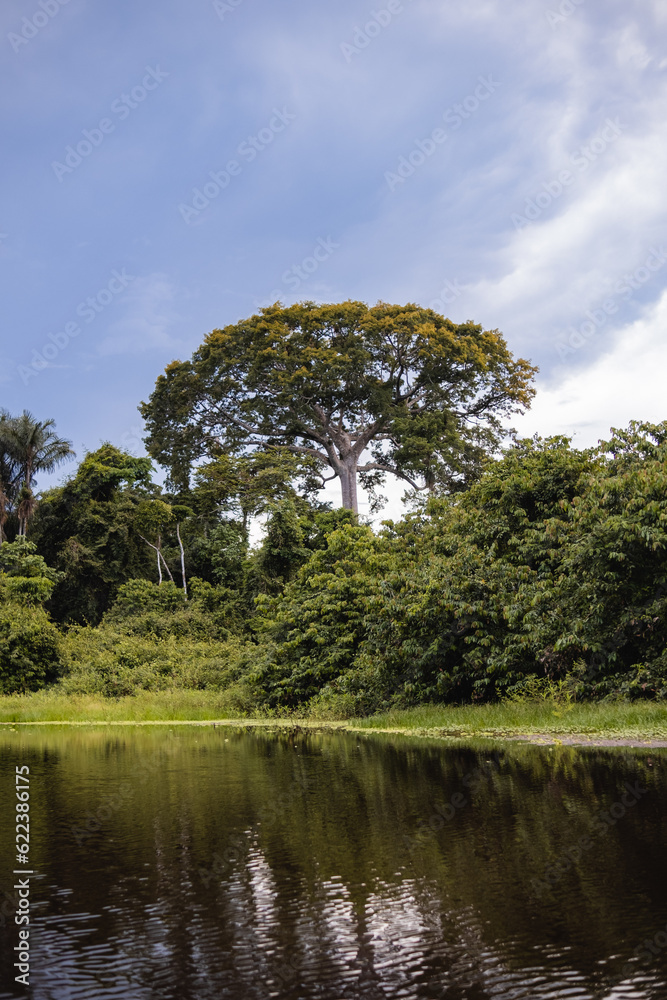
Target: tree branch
x=303 y=450
x=387 y=468
x=159 y=555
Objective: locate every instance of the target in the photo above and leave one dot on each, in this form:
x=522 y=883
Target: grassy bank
x=629 y=720
x=153 y=706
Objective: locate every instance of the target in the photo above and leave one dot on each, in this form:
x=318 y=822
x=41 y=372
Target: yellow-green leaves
x=363 y=391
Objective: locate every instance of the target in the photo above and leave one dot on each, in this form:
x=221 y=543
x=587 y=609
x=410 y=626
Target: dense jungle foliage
x=548 y=572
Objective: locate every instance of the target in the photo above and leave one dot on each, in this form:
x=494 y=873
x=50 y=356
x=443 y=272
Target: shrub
x=139 y=597
x=30 y=649
x=148 y=609
x=113 y=663
x=24 y=576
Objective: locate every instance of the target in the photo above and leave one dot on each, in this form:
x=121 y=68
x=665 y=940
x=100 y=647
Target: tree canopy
x=86 y=529
x=357 y=392
x=551 y=570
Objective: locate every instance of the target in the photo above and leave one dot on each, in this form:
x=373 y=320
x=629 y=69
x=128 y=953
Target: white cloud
x=626 y=383
x=601 y=225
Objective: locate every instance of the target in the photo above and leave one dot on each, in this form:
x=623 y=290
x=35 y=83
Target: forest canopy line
x=525 y=569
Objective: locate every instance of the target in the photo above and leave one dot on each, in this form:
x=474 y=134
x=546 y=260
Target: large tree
x=363 y=391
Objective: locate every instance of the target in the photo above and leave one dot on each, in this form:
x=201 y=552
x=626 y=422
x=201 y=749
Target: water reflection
x=215 y=863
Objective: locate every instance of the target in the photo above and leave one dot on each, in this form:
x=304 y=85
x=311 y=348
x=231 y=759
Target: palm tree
x=33 y=446
x=9 y=473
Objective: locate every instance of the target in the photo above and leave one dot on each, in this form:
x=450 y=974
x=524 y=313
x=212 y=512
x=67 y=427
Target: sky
x=169 y=167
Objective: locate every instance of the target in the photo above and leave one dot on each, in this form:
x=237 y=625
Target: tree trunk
x=348 y=485
x=180 y=545
x=161 y=561
x=164 y=563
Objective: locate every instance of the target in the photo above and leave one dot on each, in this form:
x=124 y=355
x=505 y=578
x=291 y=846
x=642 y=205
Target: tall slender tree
x=31 y=446
x=9 y=473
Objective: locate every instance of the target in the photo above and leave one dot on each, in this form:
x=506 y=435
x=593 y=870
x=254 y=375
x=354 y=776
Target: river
x=200 y=862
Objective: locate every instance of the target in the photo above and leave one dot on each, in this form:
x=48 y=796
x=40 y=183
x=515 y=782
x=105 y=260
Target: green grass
x=637 y=720
x=614 y=719
x=156 y=706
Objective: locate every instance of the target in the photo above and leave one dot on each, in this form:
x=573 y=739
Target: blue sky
x=168 y=167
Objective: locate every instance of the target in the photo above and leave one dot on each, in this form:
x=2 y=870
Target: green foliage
x=30 y=649
x=330 y=382
x=86 y=529
x=218 y=554
x=545 y=580
x=319 y=622
x=153 y=515
x=116 y=662
x=141 y=597
x=549 y=574
x=27 y=446
x=283 y=549
x=24 y=576
x=144 y=608
x=249 y=485
x=466 y=618
x=614 y=570
x=527 y=580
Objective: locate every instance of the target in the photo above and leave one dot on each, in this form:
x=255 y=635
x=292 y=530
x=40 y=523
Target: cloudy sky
x=170 y=166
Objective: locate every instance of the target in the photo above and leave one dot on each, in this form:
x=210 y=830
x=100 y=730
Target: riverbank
x=593 y=723
x=581 y=724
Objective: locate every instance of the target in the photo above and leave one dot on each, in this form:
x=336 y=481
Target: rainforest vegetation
x=524 y=566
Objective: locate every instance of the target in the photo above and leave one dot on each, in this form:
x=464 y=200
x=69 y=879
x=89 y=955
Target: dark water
x=202 y=863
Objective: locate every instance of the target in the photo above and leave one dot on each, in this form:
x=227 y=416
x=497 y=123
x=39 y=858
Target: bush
x=30 y=649
x=112 y=663
x=317 y=625
x=139 y=597
x=148 y=609
x=24 y=576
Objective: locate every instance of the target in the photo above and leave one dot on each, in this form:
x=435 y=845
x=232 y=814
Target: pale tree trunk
x=341 y=450
x=164 y=561
x=348 y=485
x=343 y=457
x=160 y=558
x=180 y=545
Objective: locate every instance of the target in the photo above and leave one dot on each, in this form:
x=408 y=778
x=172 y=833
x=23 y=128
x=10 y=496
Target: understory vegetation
x=544 y=580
